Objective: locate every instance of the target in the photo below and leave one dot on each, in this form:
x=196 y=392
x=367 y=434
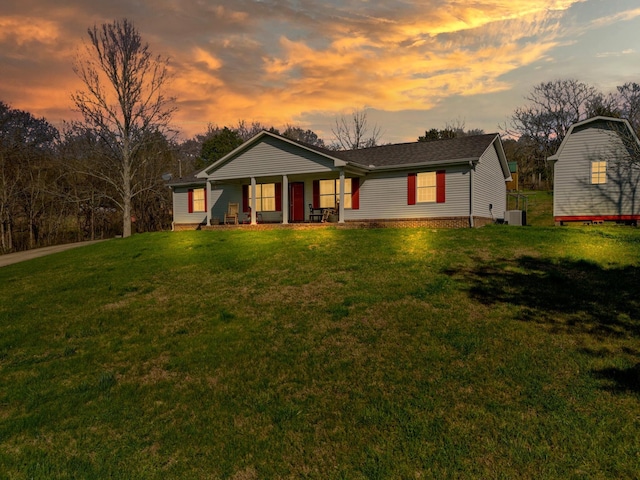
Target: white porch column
x=208 y=202
x=253 y=201
x=285 y=199
x=341 y=209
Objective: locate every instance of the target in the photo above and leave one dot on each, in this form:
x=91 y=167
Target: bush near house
x=498 y=352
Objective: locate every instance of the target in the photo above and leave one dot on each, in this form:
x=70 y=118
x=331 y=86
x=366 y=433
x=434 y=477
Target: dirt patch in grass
x=248 y=473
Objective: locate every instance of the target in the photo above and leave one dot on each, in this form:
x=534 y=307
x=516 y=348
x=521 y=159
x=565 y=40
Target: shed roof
x=620 y=125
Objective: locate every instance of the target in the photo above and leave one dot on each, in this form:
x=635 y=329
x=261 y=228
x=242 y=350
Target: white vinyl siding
x=489 y=187
x=574 y=193
x=270 y=157
x=181 y=207
x=384 y=196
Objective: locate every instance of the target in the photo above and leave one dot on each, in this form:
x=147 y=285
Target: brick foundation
x=441 y=222
x=179 y=227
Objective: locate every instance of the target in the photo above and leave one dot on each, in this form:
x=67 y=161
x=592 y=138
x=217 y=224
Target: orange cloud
x=275 y=65
x=395 y=70
x=24 y=30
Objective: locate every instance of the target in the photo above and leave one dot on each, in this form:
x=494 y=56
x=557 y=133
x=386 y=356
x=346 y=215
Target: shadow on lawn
x=575 y=297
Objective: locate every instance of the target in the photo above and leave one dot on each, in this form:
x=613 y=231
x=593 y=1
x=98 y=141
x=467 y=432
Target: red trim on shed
x=603 y=218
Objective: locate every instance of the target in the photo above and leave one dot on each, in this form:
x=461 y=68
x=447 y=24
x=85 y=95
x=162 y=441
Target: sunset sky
x=413 y=64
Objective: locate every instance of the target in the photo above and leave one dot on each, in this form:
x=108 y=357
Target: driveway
x=10 y=258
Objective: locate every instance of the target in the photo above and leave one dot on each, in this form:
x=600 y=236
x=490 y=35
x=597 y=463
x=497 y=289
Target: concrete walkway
x=10 y=258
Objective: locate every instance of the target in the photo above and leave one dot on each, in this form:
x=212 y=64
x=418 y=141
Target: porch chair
x=232 y=214
x=313 y=216
x=248 y=217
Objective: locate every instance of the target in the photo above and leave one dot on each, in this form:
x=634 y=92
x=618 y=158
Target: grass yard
x=498 y=352
x=539 y=205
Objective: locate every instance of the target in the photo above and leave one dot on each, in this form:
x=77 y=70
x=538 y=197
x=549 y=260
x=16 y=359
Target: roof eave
x=404 y=166
x=187 y=183
x=502 y=157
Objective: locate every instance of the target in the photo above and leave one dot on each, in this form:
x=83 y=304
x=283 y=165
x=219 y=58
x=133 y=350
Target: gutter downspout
x=471 y=169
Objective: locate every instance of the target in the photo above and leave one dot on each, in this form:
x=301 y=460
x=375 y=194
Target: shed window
x=598 y=172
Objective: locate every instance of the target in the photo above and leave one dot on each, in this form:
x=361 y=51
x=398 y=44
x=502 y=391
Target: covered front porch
x=283 y=199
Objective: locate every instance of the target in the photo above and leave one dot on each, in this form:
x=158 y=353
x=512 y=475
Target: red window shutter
x=316 y=194
x=411 y=189
x=245 y=198
x=205 y=199
x=190 y=199
x=278 y=197
x=440 y=186
x=355 y=193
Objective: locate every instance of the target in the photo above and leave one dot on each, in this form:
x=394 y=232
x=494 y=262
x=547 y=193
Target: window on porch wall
x=265 y=197
x=330 y=193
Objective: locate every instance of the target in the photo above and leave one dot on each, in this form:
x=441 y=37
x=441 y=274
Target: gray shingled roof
x=438 y=151
x=188 y=179
x=462 y=148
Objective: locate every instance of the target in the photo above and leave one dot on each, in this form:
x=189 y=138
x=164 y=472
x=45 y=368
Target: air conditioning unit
x=515 y=217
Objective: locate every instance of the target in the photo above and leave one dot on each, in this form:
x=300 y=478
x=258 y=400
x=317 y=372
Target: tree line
x=536 y=129
x=103 y=175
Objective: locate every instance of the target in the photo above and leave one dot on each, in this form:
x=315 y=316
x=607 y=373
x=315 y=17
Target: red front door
x=296 y=202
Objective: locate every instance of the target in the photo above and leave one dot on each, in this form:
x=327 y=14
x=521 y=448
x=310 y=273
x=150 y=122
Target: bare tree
x=123 y=103
x=553 y=107
x=551 y=110
x=353 y=132
x=628 y=96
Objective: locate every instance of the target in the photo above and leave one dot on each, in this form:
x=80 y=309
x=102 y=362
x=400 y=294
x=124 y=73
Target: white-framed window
x=265 y=197
x=198 y=202
x=599 y=172
x=426 y=187
x=330 y=193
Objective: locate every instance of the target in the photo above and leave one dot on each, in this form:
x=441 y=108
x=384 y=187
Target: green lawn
x=499 y=352
x=539 y=206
